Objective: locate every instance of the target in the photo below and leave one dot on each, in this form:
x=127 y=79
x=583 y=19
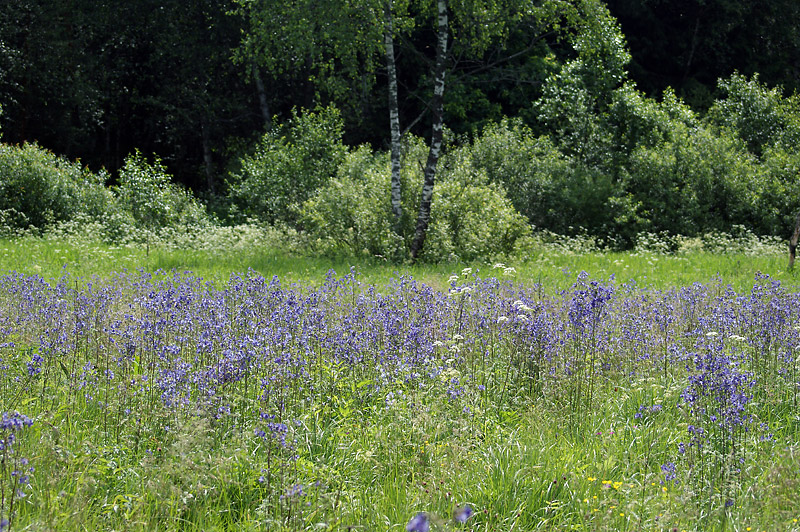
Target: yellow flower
x=591 y=479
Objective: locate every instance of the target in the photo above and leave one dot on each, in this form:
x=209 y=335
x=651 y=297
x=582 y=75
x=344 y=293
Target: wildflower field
x=162 y=401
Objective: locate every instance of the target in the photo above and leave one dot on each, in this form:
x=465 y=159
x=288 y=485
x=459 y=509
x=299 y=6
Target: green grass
x=378 y=466
x=369 y=464
x=556 y=270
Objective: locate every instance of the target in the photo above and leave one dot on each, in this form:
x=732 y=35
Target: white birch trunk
x=437 y=106
x=394 y=120
x=793 y=242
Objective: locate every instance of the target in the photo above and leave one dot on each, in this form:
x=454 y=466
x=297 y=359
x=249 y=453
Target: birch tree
x=394 y=117
x=437 y=108
x=334 y=43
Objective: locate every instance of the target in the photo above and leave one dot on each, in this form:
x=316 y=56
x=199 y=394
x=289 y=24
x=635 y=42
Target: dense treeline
x=551 y=121
x=689 y=45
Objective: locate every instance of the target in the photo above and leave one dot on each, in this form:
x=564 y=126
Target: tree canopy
x=615 y=118
x=96 y=80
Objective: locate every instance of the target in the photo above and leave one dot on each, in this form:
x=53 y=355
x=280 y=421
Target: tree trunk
x=394 y=120
x=437 y=106
x=208 y=161
x=262 y=99
x=692 y=48
x=793 y=241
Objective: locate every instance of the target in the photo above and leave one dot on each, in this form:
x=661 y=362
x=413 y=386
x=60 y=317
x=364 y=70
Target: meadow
x=156 y=390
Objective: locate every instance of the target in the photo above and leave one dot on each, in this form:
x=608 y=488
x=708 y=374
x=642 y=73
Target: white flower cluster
x=507 y=270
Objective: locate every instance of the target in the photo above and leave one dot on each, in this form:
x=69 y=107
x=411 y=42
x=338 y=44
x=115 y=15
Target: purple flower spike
x=419 y=523
x=463 y=513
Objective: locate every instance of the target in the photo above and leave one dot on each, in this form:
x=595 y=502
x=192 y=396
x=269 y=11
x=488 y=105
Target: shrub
x=760 y=116
x=695 y=182
x=147 y=194
x=636 y=120
x=37 y=188
x=289 y=165
x=352 y=214
x=553 y=191
x=528 y=167
x=773 y=198
x=470 y=217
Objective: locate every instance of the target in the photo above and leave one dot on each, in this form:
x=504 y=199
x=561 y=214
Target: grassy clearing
x=554 y=268
x=158 y=402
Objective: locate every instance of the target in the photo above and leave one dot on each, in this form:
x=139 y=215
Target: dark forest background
x=613 y=95
x=95 y=80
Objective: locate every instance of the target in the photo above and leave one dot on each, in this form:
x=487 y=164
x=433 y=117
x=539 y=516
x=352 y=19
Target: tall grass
x=553 y=264
x=165 y=402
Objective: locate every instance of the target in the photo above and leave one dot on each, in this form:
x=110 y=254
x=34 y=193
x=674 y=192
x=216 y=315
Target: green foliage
x=331 y=45
x=569 y=113
x=288 y=165
x=574 y=99
x=553 y=191
x=602 y=51
x=352 y=213
x=635 y=120
x=146 y=192
x=760 y=116
x=692 y=183
x=774 y=198
x=669 y=170
x=690 y=176
x=37 y=188
x=470 y=217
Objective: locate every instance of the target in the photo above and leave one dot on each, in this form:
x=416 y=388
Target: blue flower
x=419 y=523
x=463 y=513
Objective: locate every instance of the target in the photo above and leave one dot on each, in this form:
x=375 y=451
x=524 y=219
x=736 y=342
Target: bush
x=470 y=217
x=37 y=188
x=760 y=116
x=773 y=198
x=553 y=191
x=695 y=182
x=526 y=166
x=636 y=120
x=352 y=214
x=147 y=196
x=289 y=165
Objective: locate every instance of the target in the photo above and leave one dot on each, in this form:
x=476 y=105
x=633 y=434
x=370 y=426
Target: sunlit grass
x=367 y=456
x=554 y=269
